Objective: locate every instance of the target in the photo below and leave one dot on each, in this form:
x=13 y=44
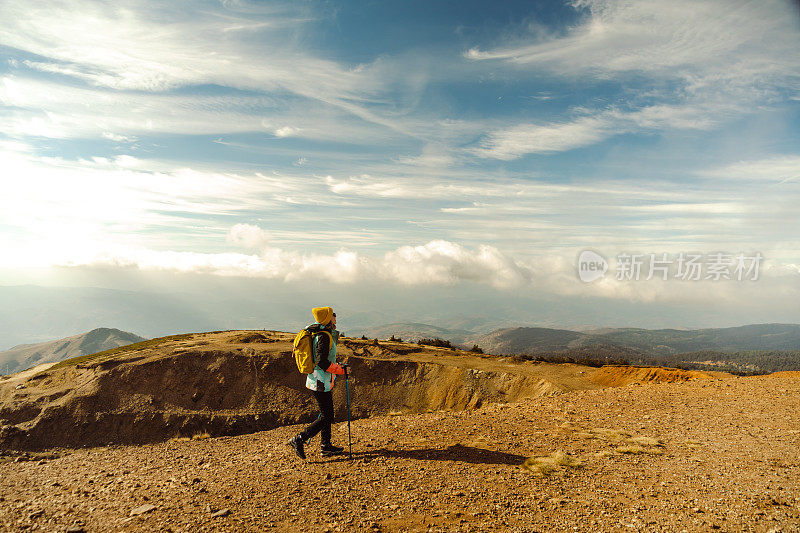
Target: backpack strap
x=314 y=332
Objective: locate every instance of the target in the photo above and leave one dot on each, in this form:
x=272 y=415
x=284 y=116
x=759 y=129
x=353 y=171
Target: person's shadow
x=456 y=452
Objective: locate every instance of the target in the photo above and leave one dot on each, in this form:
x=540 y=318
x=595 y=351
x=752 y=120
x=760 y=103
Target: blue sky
x=412 y=144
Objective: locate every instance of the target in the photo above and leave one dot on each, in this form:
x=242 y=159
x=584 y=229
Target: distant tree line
x=746 y=362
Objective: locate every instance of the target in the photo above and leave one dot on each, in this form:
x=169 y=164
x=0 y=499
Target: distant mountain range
x=529 y=340
x=751 y=349
x=412 y=332
x=778 y=345
x=647 y=341
x=29 y=355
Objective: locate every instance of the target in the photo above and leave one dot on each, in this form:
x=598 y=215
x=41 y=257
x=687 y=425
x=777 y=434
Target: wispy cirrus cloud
x=592 y=127
x=782 y=169
x=134 y=59
x=131 y=47
x=43 y=109
x=681 y=39
x=708 y=62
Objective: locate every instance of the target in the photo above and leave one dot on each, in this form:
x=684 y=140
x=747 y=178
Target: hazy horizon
x=37 y=313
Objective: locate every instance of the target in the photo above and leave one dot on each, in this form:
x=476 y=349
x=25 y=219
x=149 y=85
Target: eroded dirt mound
x=229 y=383
x=619 y=376
x=788 y=374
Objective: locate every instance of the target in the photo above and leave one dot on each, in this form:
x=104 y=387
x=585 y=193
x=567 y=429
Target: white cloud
x=700 y=208
x=435 y=263
x=782 y=169
x=248 y=235
x=444 y=263
x=418 y=185
x=118 y=138
x=286 y=131
x=79 y=202
x=524 y=139
x=15 y=146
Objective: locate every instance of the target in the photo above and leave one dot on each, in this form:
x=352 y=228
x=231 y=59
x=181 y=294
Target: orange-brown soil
x=719 y=453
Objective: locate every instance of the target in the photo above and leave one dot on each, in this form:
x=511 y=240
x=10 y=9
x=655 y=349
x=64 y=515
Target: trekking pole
x=347 y=388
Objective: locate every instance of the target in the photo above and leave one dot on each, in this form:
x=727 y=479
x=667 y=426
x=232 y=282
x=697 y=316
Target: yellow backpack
x=303 y=348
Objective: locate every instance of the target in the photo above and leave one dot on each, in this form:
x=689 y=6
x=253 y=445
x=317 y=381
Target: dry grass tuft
x=545 y=465
x=641 y=440
x=610 y=435
x=636 y=449
x=196 y=436
x=568 y=426
x=625 y=441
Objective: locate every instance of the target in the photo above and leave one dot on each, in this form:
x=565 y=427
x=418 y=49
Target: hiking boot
x=330 y=449
x=297 y=444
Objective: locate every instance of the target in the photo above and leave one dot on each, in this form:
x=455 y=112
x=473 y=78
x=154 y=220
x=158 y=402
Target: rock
x=75 y=529
x=35 y=514
x=142 y=509
x=221 y=513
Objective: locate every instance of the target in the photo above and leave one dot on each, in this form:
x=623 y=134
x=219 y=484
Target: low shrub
x=437 y=342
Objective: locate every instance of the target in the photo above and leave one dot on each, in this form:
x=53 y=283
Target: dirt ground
x=711 y=454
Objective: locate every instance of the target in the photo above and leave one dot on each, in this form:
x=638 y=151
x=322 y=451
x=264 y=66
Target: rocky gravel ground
x=721 y=454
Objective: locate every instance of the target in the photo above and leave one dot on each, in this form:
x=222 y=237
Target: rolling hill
x=30 y=355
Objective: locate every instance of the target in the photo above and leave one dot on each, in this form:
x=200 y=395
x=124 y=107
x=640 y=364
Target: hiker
x=320 y=382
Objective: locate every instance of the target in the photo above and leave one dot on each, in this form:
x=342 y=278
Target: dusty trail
x=699 y=455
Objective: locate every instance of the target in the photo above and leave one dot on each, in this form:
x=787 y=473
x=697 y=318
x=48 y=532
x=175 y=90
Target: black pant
x=323 y=421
